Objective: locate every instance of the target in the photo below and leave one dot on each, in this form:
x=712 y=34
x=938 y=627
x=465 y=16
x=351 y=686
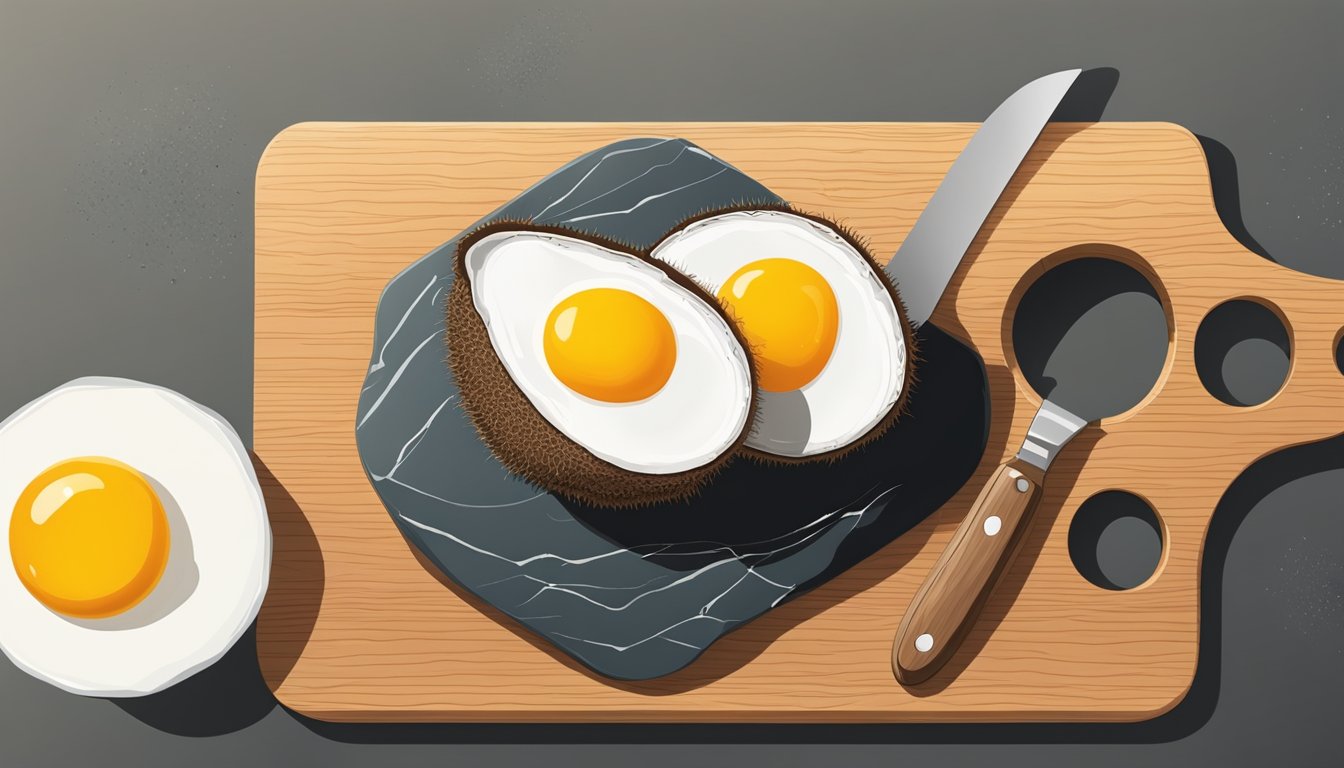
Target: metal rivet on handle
x=1022 y=485
x=924 y=643
x=992 y=525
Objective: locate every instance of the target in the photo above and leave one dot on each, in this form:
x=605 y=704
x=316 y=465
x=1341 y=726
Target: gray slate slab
x=637 y=594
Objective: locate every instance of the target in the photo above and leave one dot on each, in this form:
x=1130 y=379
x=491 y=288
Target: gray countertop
x=128 y=144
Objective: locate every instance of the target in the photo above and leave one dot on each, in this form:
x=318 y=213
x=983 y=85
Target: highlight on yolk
x=610 y=345
x=89 y=537
x=787 y=312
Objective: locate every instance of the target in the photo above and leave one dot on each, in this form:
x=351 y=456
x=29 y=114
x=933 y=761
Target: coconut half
x=828 y=289
x=521 y=288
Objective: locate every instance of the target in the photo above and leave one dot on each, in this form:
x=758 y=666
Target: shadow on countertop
x=229 y=696
x=232 y=694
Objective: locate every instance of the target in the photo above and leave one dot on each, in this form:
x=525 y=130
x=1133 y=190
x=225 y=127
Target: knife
x=924 y=263
x=946 y=605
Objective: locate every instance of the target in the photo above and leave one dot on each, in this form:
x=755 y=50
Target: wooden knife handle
x=950 y=599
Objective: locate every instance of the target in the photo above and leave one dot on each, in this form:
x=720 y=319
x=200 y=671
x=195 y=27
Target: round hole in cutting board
x=1339 y=352
x=1115 y=540
x=1091 y=334
x=1242 y=352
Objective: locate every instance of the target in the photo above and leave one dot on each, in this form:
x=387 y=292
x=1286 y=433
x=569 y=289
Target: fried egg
x=137 y=537
x=630 y=363
x=824 y=325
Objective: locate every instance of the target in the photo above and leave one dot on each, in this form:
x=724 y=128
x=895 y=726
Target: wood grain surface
x=356 y=628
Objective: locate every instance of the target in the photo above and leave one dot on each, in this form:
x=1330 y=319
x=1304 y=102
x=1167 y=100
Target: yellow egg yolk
x=610 y=345
x=89 y=537
x=787 y=312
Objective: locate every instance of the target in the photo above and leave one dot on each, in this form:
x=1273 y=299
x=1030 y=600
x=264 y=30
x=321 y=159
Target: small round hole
x=1242 y=352
x=1115 y=540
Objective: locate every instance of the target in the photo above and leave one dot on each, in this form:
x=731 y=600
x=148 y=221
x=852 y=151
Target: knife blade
x=929 y=256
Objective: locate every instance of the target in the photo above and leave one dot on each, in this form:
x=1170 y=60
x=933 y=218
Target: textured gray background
x=128 y=140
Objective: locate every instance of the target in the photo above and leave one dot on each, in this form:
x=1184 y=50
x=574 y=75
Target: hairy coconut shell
x=523 y=440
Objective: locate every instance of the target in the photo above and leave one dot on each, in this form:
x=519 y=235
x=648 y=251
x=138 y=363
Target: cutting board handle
x=947 y=603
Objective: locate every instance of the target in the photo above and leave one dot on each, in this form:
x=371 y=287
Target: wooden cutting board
x=356 y=629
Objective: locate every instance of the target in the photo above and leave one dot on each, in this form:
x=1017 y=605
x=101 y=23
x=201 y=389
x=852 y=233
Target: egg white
x=517 y=278
x=198 y=460
x=865 y=374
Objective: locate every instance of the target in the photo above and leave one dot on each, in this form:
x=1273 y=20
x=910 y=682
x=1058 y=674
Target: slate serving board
x=637 y=594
